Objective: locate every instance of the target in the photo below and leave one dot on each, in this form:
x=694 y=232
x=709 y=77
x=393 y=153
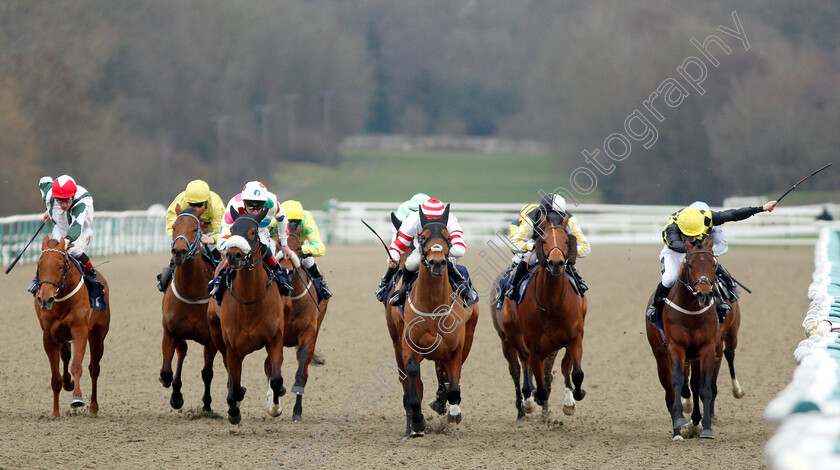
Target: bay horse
x=64 y=312
x=184 y=307
x=250 y=316
x=550 y=317
x=436 y=326
x=692 y=339
x=303 y=318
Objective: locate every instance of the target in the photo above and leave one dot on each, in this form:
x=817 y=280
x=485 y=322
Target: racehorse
x=185 y=307
x=436 y=326
x=692 y=337
x=550 y=317
x=250 y=316
x=64 y=312
x=303 y=315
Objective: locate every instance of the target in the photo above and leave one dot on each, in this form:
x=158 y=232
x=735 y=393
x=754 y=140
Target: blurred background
x=467 y=100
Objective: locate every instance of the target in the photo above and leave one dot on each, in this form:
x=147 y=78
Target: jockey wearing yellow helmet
x=208 y=207
x=310 y=238
x=686 y=225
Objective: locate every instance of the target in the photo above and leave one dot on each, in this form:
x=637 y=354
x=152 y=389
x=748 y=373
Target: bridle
x=248 y=263
x=542 y=262
x=434 y=248
x=194 y=246
x=65 y=267
x=703 y=279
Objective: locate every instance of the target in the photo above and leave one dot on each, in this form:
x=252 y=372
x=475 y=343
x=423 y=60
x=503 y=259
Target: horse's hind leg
x=207 y=374
x=96 y=338
x=177 y=399
x=305 y=352
x=438 y=405
x=573 y=374
x=65 y=359
x=731 y=342
x=694 y=380
x=515 y=371
x=52 y=351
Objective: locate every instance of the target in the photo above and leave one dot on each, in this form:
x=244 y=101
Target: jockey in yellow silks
x=310 y=238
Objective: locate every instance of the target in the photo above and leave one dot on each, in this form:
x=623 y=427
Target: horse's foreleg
x=305 y=352
x=79 y=334
x=515 y=370
x=96 y=339
x=168 y=348
x=275 y=378
x=52 y=351
x=677 y=380
x=453 y=393
x=177 y=399
x=413 y=396
x=235 y=391
x=707 y=367
x=65 y=359
x=438 y=405
x=694 y=380
x=538 y=368
x=207 y=374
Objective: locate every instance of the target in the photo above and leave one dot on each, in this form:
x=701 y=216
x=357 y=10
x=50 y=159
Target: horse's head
x=295 y=229
x=53 y=270
x=434 y=242
x=243 y=246
x=698 y=270
x=186 y=235
x=555 y=246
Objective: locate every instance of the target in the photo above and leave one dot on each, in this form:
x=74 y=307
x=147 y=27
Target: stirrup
x=398 y=298
x=326 y=293
x=651 y=313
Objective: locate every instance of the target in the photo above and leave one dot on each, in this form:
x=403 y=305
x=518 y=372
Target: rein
x=690 y=287
x=66 y=269
x=543 y=263
x=250 y=302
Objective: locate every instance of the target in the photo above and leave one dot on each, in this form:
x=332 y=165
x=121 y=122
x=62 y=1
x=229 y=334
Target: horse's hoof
x=737 y=393
x=282 y=390
x=568 y=410
x=297 y=419
x=94 y=409
x=677 y=438
x=70 y=384
x=455 y=416
x=297 y=390
x=437 y=407
x=77 y=402
x=165 y=383
x=707 y=434
x=529 y=405
x=417 y=434
x=176 y=403
x=579 y=394
x=234 y=419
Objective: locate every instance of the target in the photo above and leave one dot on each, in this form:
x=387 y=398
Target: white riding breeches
x=307 y=262
x=671 y=261
x=412 y=263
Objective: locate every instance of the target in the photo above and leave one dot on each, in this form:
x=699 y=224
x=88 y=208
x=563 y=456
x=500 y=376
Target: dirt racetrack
x=621 y=424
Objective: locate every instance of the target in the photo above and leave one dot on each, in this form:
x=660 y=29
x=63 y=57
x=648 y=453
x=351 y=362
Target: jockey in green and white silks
x=70 y=208
x=686 y=225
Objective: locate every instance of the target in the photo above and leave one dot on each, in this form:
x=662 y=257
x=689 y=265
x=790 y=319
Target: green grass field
x=449 y=176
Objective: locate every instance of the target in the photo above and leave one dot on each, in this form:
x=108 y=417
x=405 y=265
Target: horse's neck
x=436 y=290
x=549 y=289
x=681 y=296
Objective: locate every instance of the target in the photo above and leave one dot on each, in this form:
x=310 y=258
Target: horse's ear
x=261 y=215
x=395 y=221
x=444 y=218
x=423 y=219
x=45 y=241
x=178 y=209
x=233 y=213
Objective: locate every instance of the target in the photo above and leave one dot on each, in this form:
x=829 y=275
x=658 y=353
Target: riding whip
x=380 y=239
x=24 y=248
x=800 y=181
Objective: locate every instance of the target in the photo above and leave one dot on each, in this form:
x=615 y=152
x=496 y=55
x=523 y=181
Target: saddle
x=575 y=280
x=216 y=287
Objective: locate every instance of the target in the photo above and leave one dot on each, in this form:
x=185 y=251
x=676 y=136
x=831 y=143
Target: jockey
x=406 y=208
x=70 y=208
x=409 y=232
x=310 y=238
x=253 y=199
x=208 y=207
x=523 y=233
x=686 y=225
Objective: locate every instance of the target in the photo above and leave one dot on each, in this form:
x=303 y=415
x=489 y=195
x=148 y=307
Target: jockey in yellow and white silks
x=70 y=208
x=310 y=238
x=208 y=208
x=687 y=225
x=406 y=208
x=523 y=234
x=410 y=231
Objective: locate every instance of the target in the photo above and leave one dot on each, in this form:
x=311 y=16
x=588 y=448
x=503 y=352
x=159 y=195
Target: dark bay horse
x=550 y=317
x=437 y=326
x=64 y=312
x=250 y=316
x=184 y=307
x=692 y=337
x=303 y=317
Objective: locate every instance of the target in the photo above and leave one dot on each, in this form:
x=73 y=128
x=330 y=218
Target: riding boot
x=165 y=276
x=383 y=283
x=723 y=308
x=399 y=297
x=521 y=269
x=216 y=287
x=33 y=288
x=582 y=287
x=325 y=291
x=96 y=290
x=461 y=285
x=658 y=300
x=281 y=277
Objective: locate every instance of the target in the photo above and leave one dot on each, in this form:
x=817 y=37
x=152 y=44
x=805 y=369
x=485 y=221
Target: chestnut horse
x=436 y=326
x=692 y=337
x=64 y=312
x=250 y=316
x=303 y=320
x=550 y=317
x=185 y=307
